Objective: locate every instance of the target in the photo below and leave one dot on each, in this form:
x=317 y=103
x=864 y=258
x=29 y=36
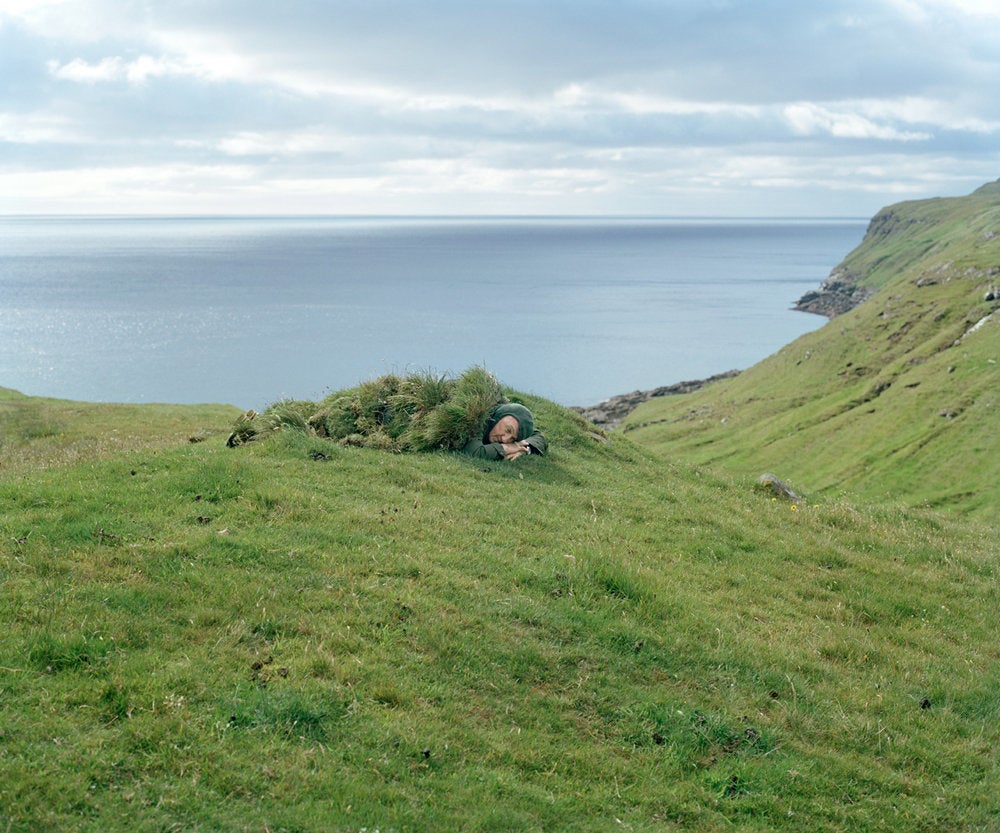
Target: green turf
x=297 y=636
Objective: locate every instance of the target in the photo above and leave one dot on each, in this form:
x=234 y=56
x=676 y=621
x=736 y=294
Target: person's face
x=505 y=431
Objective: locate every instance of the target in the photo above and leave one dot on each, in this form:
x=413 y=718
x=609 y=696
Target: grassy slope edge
x=896 y=399
x=294 y=636
x=38 y=433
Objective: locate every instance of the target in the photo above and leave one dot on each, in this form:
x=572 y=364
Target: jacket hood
x=525 y=421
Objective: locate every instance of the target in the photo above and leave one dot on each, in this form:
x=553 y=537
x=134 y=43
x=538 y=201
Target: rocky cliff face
x=835 y=296
x=840 y=292
x=843 y=289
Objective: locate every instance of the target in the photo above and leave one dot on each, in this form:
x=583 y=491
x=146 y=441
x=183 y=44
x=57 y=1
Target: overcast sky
x=666 y=107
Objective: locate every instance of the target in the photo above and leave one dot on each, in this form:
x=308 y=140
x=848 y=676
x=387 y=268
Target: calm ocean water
x=249 y=311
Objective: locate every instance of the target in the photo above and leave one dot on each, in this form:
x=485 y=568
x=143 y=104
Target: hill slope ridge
x=895 y=398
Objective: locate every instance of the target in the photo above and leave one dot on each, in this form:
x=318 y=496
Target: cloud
x=33 y=129
x=136 y=71
x=529 y=105
x=927 y=11
x=807 y=119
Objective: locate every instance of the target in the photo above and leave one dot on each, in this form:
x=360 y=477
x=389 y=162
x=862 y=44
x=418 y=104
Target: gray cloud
x=674 y=106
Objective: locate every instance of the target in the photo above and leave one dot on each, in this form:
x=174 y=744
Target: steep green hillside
x=896 y=399
x=298 y=636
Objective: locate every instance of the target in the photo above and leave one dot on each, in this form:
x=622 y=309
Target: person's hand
x=511 y=451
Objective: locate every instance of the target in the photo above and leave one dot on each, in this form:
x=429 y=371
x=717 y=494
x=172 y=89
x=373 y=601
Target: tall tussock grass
x=423 y=411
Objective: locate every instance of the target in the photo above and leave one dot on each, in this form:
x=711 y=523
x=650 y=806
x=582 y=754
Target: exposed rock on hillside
x=778 y=488
x=611 y=412
x=835 y=296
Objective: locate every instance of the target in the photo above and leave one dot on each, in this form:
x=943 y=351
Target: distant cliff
x=836 y=295
x=896 y=397
x=918 y=225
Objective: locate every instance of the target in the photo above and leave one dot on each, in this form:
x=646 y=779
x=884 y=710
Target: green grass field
x=296 y=636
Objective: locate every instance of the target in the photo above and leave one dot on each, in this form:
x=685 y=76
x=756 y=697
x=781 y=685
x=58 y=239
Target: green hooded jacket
x=481 y=446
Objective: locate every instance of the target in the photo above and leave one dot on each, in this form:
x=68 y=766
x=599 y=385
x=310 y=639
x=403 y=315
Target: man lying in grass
x=417 y=412
x=508 y=433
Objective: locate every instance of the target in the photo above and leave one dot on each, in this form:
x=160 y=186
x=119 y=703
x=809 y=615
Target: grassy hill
x=296 y=636
x=897 y=399
x=37 y=433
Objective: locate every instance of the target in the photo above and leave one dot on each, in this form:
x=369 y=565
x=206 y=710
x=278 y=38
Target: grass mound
x=416 y=412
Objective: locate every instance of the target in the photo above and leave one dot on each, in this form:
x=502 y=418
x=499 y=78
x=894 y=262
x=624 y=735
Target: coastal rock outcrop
x=610 y=413
x=835 y=296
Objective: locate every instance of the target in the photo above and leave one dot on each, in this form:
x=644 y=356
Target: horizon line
x=396 y=216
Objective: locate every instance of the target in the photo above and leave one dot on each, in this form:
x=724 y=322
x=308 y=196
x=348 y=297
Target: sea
x=252 y=310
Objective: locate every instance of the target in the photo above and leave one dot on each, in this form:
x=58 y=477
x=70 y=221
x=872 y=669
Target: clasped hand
x=511 y=451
